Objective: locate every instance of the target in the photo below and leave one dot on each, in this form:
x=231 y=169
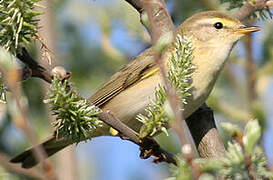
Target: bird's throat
x=208 y=62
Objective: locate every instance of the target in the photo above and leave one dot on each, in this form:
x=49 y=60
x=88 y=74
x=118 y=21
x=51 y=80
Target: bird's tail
x=50 y=146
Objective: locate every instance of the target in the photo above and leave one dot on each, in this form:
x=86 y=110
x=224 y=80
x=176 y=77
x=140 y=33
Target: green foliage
x=244 y=158
x=182 y=171
x=75 y=117
x=252 y=134
x=263 y=14
x=260 y=162
x=233 y=165
x=180 y=70
x=155 y=119
x=234 y=3
x=18 y=23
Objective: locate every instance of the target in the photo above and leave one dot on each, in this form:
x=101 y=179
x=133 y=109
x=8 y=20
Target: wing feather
x=125 y=77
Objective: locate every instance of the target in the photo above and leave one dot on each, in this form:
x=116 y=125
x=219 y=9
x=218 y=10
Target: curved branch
x=249 y=8
x=205 y=134
x=148 y=146
x=36 y=69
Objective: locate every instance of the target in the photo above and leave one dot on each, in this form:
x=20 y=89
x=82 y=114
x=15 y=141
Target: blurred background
x=93 y=39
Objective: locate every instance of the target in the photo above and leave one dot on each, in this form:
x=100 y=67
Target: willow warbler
x=132 y=88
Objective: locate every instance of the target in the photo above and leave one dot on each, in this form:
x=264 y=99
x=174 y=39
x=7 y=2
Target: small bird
x=132 y=88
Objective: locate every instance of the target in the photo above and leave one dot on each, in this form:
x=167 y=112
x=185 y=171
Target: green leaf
x=74 y=116
x=252 y=134
x=19 y=23
x=182 y=171
x=262 y=14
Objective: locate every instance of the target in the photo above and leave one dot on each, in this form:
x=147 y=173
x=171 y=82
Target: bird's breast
x=208 y=62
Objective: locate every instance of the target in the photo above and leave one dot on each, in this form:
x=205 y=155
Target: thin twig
x=36 y=69
x=195 y=169
x=138 y=5
x=112 y=121
x=249 y=8
x=159 y=17
x=146 y=144
x=209 y=127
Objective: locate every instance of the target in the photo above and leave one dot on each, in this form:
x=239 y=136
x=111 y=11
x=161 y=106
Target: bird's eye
x=218 y=25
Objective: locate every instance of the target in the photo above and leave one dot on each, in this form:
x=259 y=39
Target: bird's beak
x=246 y=29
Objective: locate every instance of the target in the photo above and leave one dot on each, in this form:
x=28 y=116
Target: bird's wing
x=125 y=77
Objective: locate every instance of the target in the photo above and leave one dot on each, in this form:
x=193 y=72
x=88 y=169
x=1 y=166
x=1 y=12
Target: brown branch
x=249 y=8
x=195 y=168
x=208 y=142
x=16 y=168
x=148 y=146
x=112 y=121
x=33 y=66
x=206 y=137
x=158 y=16
x=161 y=18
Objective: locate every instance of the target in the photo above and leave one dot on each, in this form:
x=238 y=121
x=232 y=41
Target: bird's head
x=215 y=28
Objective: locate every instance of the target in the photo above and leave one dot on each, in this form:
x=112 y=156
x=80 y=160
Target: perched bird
x=131 y=89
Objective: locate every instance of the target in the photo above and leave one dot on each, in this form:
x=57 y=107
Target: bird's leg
x=149 y=147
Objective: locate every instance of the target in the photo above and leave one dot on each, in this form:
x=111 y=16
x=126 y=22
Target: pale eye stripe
x=211 y=21
x=211 y=25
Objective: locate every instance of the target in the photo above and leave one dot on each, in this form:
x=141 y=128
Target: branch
x=148 y=146
x=206 y=137
x=33 y=66
x=249 y=8
x=112 y=121
x=159 y=17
